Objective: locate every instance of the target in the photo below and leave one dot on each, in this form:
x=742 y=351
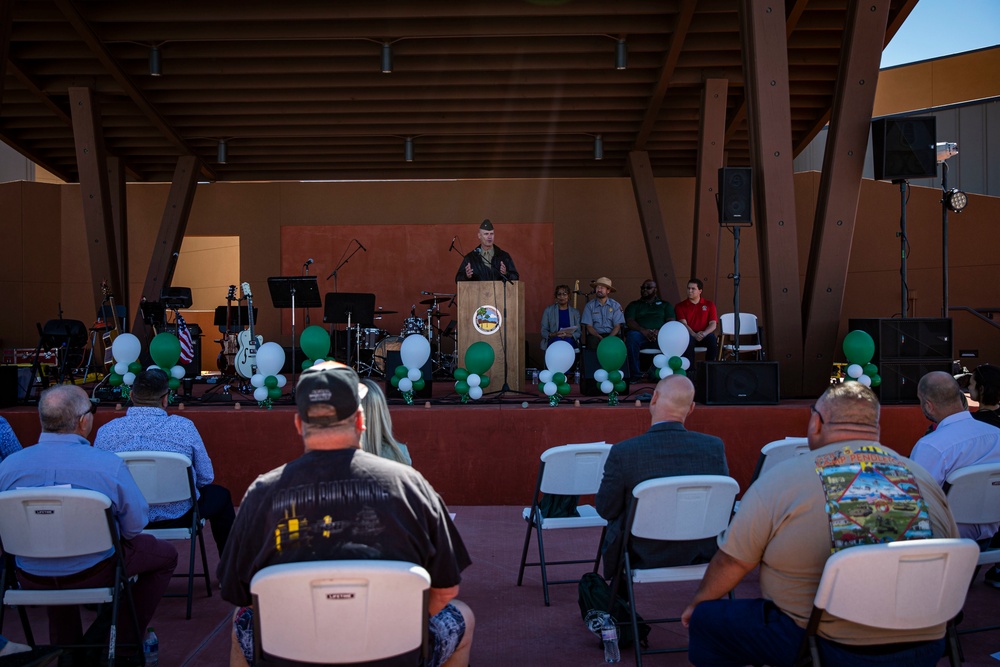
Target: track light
x=155 y=68
x=621 y=54
x=598 y=147
x=408 y=149
x=386 y=58
x=221 y=152
x=956 y=200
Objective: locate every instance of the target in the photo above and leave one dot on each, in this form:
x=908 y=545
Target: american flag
x=184 y=336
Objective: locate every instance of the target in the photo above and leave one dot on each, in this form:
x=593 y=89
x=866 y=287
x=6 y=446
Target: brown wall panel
x=949 y=80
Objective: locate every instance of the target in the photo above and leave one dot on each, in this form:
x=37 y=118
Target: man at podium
x=486 y=261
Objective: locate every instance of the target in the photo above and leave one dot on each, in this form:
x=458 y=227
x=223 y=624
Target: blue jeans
x=732 y=633
x=635 y=341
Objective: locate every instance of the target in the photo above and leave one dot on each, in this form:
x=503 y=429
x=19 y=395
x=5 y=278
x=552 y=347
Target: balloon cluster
x=315 y=344
x=268 y=381
x=125 y=349
x=611 y=355
x=673 y=341
x=413 y=352
x=471 y=380
x=165 y=349
x=559 y=358
x=859 y=348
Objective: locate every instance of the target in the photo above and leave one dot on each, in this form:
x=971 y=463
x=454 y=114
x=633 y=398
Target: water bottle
x=609 y=634
x=151 y=649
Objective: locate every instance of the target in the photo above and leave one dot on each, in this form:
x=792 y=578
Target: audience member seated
x=560 y=321
x=63 y=456
x=667 y=449
x=377 y=437
x=701 y=319
x=334 y=482
x=644 y=317
x=602 y=316
x=147 y=427
x=8 y=440
x=789 y=523
x=984 y=388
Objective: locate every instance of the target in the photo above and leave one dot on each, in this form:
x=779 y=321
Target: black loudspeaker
x=904 y=148
x=735 y=198
x=8 y=386
x=393 y=359
x=193 y=369
x=908 y=339
x=899 y=379
x=589 y=364
x=737 y=383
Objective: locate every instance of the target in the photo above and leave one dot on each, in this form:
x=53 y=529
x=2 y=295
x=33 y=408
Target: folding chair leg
x=541 y=563
x=527 y=541
x=204 y=563
x=632 y=613
x=29 y=636
x=955 y=657
x=600 y=543
x=190 y=582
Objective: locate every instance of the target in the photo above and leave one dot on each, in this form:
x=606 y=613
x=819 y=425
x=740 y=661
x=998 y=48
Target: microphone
x=308 y=262
x=413 y=310
x=478 y=250
x=427 y=292
x=360 y=246
x=452 y=246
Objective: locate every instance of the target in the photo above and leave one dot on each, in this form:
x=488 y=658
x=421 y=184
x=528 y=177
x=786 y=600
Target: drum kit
x=374 y=343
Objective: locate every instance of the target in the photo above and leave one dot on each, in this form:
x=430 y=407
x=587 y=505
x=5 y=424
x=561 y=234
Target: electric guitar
x=111 y=328
x=246 y=357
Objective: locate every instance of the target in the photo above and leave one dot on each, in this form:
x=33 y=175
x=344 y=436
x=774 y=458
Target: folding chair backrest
x=686 y=507
x=51 y=522
x=163 y=477
x=974 y=493
x=341 y=611
x=899 y=585
x=574 y=470
x=777 y=451
x=748 y=324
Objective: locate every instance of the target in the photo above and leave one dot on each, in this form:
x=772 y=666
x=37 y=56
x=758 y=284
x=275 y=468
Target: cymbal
x=386 y=312
x=429 y=302
x=443 y=295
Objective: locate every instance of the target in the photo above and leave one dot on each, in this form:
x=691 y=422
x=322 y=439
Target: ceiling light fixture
x=386 y=58
x=621 y=54
x=598 y=147
x=222 y=152
x=155 y=67
x=408 y=149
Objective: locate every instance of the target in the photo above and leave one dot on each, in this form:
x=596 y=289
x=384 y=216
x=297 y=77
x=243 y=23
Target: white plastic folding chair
x=686 y=507
x=340 y=612
x=748 y=327
x=56 y=522
x=167 y=477
x=974 y=497
x=895 y=586
x=777 y=451
x=569 y=470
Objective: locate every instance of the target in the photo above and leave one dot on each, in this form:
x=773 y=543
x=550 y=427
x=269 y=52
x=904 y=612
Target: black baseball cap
x=329 y=383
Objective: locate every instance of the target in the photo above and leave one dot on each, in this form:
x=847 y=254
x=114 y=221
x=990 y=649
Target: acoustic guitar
x=230 y=344
x=111 y=328
x=246 y=357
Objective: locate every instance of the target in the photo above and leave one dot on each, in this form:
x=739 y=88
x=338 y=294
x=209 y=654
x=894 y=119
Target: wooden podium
x=480 y=306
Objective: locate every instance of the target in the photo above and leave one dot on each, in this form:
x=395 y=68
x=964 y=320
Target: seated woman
x=558 y=319
x=377 y=438
x=984 y=387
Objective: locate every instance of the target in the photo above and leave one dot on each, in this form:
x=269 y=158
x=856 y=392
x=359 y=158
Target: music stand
x=350 y=308
x=285 y=291
x=237 y=316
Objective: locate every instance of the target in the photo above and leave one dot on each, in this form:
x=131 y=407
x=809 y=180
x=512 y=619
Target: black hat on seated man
x=486 y=226
x=330 y=383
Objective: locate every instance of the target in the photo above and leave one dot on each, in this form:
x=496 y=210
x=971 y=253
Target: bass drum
x=380 y=358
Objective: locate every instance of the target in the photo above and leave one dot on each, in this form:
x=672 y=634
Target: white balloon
x=126 y=348
x=406 y=384
x=660 y=360
x=282 y=381
x=545 y=376
x=270 y=359
x=550 y=388
x=475 y=393
x=260 y=394
x=414 y=374
x=607 y=386
x=257 y=380
x=666 y=371
x=855 y=370
x=673 y=339
x=414 y=351
x=128 y=379
x=601 y=375
x=685 y=363
x=178 y=372
x=474 y=380
x=559 y=356
x=865 y=380
x=121 y=368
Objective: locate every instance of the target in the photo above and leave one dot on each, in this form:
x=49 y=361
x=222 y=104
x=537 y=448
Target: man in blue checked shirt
x=8 y=440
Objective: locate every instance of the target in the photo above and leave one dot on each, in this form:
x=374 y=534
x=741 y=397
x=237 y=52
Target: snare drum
x=411 y=326
x=381 y=355
x=369 y=337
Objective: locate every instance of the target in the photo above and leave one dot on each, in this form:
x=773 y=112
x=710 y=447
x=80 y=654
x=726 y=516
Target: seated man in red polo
x=701 y=319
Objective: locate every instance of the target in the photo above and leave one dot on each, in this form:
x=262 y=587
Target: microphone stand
x=333 y=274
x=306 y=267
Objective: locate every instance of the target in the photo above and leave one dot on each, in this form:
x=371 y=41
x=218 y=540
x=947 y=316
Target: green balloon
x=484 y=380
x=394 y=381
x=419 y=385
x=559 y=378
x=614 y=376
x=401 y=371
x=675 y=363
x=307 y=363
x=174 y=383
x=273 y=392
x=165 y=350
x=876 y=379
x=461 y=374
x=462 y=387
x=870 y=369
x=611 y=353
x=270 y=381
x=859 y=347
x=315 y=342
x=479 y=357
x=620 y=386
x=563 y=389
x=115 y=380
x=135 y=367
x=681 y=372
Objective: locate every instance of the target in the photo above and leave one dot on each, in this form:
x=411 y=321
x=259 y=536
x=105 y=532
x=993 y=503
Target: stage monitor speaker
x=393 y=359
x=735 y=196
x=910 y=338
x=193 y=369
x=589 y=364
x=904 y=148
x=8 y=386
x=737 y=383
x=899 y=379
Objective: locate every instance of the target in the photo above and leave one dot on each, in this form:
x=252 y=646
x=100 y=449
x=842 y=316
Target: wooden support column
x=840 y=187
x=168 y=240
x=6 y=12
x=91 y=160
x=765 y=67
x=119 y=215
x=711 y=145
x=654 y=230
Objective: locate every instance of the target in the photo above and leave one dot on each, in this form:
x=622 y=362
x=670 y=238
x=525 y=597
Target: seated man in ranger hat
x=602 y=316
